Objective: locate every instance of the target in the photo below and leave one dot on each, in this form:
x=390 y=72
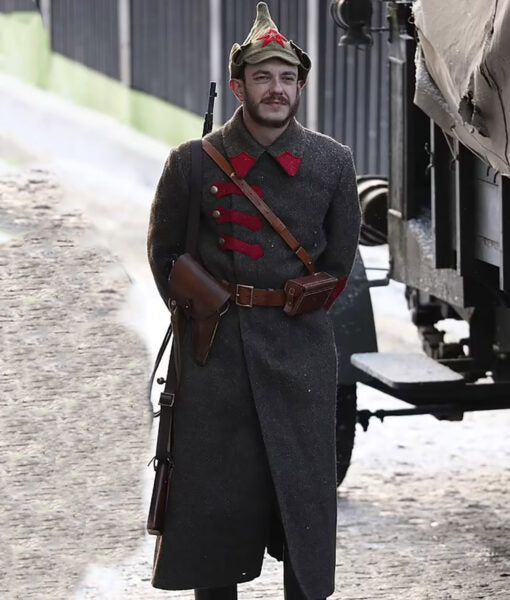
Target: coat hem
x=165 y=584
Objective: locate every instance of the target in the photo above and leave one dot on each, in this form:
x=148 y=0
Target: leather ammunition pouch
x=202 y=299
x=309 y=293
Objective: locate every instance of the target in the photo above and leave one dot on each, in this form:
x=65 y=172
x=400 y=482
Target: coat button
x=221 y=241
x=214 y=189
x=216 y=214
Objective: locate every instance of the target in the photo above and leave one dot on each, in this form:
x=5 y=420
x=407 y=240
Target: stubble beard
x=252 y=108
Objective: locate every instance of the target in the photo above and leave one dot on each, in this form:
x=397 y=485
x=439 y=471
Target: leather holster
x=202 y=299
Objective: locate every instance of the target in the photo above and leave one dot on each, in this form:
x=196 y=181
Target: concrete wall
x=25 y=53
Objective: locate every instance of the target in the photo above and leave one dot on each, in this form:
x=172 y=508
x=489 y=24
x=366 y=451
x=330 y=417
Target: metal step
x=406 y=371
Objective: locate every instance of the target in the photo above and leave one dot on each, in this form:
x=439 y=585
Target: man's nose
x=276 y=85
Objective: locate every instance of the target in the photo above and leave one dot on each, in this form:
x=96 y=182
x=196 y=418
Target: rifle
x=208 y=118
x=163 y=460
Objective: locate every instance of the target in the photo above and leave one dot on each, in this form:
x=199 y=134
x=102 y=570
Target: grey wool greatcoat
x=255 y=427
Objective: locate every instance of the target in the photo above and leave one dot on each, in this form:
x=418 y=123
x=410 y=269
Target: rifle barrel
x=208 y=119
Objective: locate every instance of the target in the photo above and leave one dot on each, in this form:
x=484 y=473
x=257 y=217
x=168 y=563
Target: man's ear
x=300 y=84
x=237 y=86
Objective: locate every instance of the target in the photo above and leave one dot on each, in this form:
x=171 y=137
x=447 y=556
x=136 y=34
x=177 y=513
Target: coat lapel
x=243 y=150
x=288 y=149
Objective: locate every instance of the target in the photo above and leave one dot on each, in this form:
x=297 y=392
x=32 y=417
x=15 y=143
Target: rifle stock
x=156 y=518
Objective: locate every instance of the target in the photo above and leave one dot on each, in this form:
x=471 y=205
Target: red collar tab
x=242 y=163
x=289 y=162
x=273 y=36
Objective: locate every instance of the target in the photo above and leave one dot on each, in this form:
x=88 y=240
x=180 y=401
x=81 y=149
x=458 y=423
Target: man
x=254 y=435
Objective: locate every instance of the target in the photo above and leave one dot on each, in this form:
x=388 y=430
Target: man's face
x=270 y=92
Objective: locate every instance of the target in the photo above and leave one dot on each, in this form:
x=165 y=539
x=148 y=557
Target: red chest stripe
x=254 y=251
x=229 y=187
x=337 y=290
x=242 y=163
x=252 y=222
x=289 y=162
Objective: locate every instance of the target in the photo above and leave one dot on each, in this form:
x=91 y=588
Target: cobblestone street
x=73 y=420
x=423 y=513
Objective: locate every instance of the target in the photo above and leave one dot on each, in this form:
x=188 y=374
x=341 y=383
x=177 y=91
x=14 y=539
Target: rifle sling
x=165 y=429
x=276 y=223
x=172 y=383
x=195 y=193
x=177 y=324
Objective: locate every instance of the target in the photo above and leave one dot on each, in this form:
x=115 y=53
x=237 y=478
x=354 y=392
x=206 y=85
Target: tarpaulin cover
x=463 y=72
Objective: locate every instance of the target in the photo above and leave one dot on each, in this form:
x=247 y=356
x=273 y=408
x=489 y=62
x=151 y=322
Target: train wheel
x=346 y=413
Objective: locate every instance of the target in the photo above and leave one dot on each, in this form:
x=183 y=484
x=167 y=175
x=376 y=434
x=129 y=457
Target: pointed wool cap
x=265 y=41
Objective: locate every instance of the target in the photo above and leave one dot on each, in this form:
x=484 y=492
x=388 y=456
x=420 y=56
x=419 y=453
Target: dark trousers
x=292 y=591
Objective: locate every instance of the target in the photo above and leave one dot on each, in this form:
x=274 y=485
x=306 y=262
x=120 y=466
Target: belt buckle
x=248 y=287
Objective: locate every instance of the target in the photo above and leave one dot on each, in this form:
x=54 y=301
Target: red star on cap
x=273 y=36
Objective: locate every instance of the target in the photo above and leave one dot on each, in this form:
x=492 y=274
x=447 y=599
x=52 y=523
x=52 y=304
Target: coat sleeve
x=169 y=212
x=342 y=225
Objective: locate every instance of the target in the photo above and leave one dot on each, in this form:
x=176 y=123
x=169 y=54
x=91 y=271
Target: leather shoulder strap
x=260 y=205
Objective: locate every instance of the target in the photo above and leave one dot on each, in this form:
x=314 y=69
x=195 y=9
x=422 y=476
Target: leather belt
x=248 y=296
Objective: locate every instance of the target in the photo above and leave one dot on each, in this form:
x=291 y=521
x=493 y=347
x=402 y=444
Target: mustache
x=275 y=98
